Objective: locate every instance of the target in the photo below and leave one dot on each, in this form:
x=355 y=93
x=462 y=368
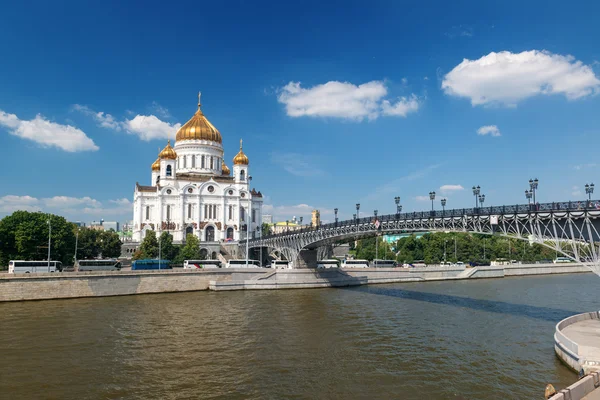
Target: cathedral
x=192 y=191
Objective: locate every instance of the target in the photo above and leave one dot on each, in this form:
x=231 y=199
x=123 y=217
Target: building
x=316 y=218
x=267 y=219
x=284 y=226
x=108 y=225
x=192 y=191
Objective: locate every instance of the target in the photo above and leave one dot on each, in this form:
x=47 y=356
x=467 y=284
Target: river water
x=479 y=339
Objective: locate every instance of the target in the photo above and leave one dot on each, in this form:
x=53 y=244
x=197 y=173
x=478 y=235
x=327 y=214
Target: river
x=473 y=339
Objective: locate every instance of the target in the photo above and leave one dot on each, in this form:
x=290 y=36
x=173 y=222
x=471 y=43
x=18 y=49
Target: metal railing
x=567 y=206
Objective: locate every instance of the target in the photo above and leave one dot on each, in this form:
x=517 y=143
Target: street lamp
x=357 y=208
x=476 y=191
x=301 y=222
x=589 y=189
x=376 y=241
x=528 y=195
x=444 y=205
x=354 y=217
x=49 y=241
x=398 y=206
x=249 y=216
x=76 y=242
x=335 y=210
x=432 y=198
x=533 y=185
x=481 y=199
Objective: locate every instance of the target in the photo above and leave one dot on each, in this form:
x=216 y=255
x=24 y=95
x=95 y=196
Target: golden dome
x=156 y=165
x=198 y=128
x=168 y=152
x=240 y=158
x=224 y=168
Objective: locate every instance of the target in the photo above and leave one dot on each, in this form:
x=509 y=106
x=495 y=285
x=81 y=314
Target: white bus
x=280 y=264
x=27 y=267
x=384 y=263
x=98 y=265
x=562 y=260
x=199 y=264
x=333 y=263
x=355 y=264
x=242 y=264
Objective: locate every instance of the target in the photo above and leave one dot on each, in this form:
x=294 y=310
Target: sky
x=338 y=102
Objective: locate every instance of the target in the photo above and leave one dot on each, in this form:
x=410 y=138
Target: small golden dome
x=240 y=158
x=168 y=152
x=156 y=165
x=198 y=128
x=224 y=168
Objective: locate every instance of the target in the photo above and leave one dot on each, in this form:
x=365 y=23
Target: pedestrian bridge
x=569 y=228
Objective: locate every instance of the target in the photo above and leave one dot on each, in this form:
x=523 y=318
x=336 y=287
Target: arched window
x=147 y=212
x=202 y=161
x=169 y=172
x=168 y=212
x=189 y=211
x=242 y=213
x=230 y=212
x=253 y=215
x=242 y=175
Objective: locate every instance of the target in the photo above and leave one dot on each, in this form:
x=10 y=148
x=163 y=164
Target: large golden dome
x=224 y=168
x=198 y=128
x=240 y=158
x=168 y=152
x=156 y=165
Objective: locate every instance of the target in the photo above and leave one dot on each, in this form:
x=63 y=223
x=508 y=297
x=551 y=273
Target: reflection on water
x=437 y=340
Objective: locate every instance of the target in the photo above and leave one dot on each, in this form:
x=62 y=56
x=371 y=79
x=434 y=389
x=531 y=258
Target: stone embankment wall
x=96 y=284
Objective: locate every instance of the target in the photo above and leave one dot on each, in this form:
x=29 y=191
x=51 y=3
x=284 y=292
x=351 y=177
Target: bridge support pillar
x=307 y=259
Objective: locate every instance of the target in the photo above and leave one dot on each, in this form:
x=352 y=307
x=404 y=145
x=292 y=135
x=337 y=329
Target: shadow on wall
x=500 y=307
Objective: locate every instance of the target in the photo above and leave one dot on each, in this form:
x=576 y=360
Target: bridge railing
x=458 y=212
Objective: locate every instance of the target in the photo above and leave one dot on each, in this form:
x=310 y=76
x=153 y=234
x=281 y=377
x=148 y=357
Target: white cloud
x=11 y=203
x=149 y=127
x=344 y=100
x=159 y=110
x=422 y=198
x=507 y=78
x=451 y=188
x=104 y=120
x=491 y=130
x=297 y=164
x=47 y=133
x=403 y=106
x=283 y=213
x=584 y=166
x=68 y=202
x=72 y=208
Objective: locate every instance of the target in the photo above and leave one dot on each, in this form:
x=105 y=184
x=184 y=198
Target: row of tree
x=434 y=248
x=149 y=248
x=24 y=236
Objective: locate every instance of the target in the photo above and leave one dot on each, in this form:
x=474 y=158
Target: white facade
x=192 y=192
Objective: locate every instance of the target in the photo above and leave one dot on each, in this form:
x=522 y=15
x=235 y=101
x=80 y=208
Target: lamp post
x=481 y=199
x=528 y=195
x=335 y=210
x=49 y=241
x=398 y=206
x=300 y=222
x=354 y=217
x=589 y=189
x=357 y=210
x=260 y=259
x=432 y=198
x=476 y=191
x=248 y=223
x=76 y=243
x=533 y=185
x=376 y=240
x=444 y=207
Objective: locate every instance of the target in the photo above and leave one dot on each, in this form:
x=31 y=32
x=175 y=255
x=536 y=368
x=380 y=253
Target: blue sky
x=337 y=103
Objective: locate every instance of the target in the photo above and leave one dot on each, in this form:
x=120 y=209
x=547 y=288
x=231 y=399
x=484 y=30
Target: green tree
x=167 y=249
x=191 y=250
x=110 y=244
x=265 y=229
x=88 y=245
x=24 y=235
x=149 y=246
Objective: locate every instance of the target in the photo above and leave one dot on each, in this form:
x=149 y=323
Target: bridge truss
x=570 y=228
